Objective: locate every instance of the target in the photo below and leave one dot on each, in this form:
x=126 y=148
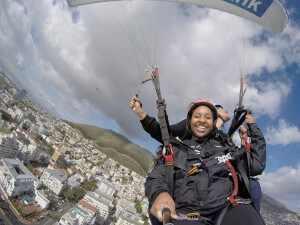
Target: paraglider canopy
x=269 y=13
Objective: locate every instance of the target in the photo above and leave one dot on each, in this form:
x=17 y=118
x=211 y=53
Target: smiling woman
x=203 y=180
x=201 y=119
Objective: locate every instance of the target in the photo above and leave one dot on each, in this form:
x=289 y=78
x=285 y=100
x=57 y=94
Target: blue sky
x=61 y=57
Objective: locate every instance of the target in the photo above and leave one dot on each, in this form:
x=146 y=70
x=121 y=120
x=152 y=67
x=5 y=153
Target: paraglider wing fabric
x=269 y=13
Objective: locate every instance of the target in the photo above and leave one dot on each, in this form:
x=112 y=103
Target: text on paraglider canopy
x=256 y=7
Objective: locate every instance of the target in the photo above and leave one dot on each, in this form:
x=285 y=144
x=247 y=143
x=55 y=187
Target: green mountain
x=117 y=147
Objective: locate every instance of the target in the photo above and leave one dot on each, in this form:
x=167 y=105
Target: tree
x=30 y=168
x=3 y=130
x=57 y=217
x=51 y=204
x=79 y=193
x=89 y=185
x=74 y=193
x=138 y=207
x=69 y=193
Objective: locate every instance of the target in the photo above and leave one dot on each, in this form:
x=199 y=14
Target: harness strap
x=217 y=158
x=193 y=218
x=235 y=181
x=169 y=163
x=161 y=106
x=164 y=128
x=258 y=212
x=222 y=214
x=248 y=151
x=244 y=175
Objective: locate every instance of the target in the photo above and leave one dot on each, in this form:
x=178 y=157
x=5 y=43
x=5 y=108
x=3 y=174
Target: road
x=4 y=219
x=9 y=218
x=48 y=219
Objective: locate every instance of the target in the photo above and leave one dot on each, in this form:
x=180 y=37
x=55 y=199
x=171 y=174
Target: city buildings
x=123 y=220
x=41 y=199
x=29 y=136
x=15 y=178
x=54 y=180
x=10 y=146
x=20 y=95
x=102 y=203
x=126 y=210
x=82 y=214
x=58 y=157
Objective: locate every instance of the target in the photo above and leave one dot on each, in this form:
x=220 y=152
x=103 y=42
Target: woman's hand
x=249 y=119
x=136 y=106
x=243 y=135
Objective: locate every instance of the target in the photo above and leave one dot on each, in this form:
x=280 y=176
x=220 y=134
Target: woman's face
x=201 y=122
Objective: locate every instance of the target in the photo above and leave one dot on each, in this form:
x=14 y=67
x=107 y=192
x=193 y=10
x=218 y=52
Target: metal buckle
x=242 y=201
x=195 y=169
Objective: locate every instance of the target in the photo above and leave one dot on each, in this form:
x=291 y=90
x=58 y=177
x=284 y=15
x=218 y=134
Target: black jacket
x=209 y=188
x=152 y=127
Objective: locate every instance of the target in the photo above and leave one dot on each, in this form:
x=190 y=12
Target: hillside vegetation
x=117 y=147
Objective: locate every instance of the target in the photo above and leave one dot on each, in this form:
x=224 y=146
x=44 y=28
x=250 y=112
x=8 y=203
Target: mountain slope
x=275 y=213
x=117 y=147
x=139 y=159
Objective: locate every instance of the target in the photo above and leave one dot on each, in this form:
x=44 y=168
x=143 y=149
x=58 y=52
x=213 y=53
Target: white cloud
x=283 y=134
x=199 y=53
x=20 y=59
x=196 y=50
x=265 y=98
x=283 y=185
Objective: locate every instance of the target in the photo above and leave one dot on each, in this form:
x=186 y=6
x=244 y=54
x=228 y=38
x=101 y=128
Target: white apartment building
x=74 y=181
x=19 y=114
x=28 y=153
x=126 y=208
x=122 y=220
x=106 y=188
x=10 y=146
x=5 y=97
x=11 y=113
x=34 y=128
x=87 y=212
x=79 y=177
x=102 y=202
x=82 y=214
x=126 y=204
x=69 y=218
x=54 y=180
x=41 y=199
x=72 y=170
x=15 y=178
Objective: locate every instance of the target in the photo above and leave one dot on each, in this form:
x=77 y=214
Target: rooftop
x=16 y=168
x=57 y=174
